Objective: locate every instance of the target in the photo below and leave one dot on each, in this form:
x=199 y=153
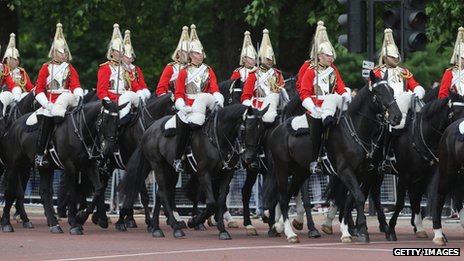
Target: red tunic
x=104 y=84
x=28 y=84
x=445 y=85
x=6 y=78
x=307 y=86
x=209 y=87
x=236 y=74
x=301 y=73
x=140 y=79
x=249 y=90
x=41 y=84
x=165 y=84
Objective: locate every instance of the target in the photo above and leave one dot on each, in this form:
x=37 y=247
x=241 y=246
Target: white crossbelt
x=265 y=76
x=56 y=72
x=324 y=74
x=196 y=74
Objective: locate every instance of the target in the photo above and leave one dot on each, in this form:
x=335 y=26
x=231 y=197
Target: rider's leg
x=45 y=127
x=182 y=137
x=315 y=134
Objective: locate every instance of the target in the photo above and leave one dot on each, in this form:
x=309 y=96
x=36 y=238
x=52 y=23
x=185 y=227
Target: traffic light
x=355 y=22
x=414 y=25
x=392 y=20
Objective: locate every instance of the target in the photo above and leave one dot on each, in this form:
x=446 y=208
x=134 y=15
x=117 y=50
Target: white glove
x=16 y=93
x=181 y=106
x=147 y=93
x=219 y=98
x=42 y=99
x=419 y=92
x=49 y=106
x=107 y=98
x=141 y=94
x=315 y=111
x=246 y=102
x=79 y=93
x=347 y=96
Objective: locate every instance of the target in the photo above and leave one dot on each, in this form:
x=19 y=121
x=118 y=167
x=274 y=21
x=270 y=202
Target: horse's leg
x=284 y=199
x=440 y=180
x=331 y=213
x=250 y=180
x=376 y=183
x=221 y=205
x=11 y=183
x=312 y=230
x=71 y=186
x=157 y=232
x=400 y=194
x=45 y=195
x=24 y=175
x=164 y=188
x=99 y=217
x=415 y=196
x=206 y=187
x=351 y=183
x=145 y=199
x=298 y=222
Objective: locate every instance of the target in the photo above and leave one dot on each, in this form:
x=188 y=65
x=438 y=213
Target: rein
x=94 y=147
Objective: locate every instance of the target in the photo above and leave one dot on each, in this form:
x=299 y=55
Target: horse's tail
x=137 y=171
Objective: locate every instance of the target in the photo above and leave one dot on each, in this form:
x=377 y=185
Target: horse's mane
x=434 y=107
x=233 y=111
x=359 y=99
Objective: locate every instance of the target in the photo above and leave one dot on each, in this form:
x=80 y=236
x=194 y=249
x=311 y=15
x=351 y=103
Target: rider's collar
x=196 y=65
x=55 y=62
x=263 y=68
x=321 y=66
x=114 y=61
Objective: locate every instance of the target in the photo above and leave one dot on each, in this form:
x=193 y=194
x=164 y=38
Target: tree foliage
x=156 y=26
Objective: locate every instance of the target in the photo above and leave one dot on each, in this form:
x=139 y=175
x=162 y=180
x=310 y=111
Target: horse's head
x=384 y=96
x=231 y=90
x=109 y=126
x=254 y=132
x=456 y=104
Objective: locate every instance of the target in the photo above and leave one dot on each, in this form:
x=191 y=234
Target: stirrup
x=178 y=166
x=386 y=167
x=41 y=161
x=315 y=168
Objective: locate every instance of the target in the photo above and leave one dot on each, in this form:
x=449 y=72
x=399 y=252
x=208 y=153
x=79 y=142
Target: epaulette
x=172 y=63
x=254 y=69
x=107 y=62
x=452 y=68
x=405 y=73
x=378 y=68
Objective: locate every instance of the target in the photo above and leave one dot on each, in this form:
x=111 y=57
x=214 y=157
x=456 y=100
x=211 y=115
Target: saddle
x=168 y=126
x=298 y=125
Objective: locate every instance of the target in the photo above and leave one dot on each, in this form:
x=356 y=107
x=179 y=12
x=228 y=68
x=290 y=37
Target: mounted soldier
x=404 y=85
x=264 y=84
x=322 y=91
x=57 y=87
x=453 y=78
x=247 y=60
x=129 y=56
x=22 y=82
x=115 y=82
x=180 y=59
x=196 y=90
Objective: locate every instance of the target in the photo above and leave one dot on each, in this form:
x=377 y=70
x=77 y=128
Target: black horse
x=231 y=90
x=87 y=133
x=214 y=151
x=345 y=144
x=416 y=164
x=449 y=178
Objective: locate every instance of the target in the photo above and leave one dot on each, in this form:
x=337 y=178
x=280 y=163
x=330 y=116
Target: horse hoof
x=182 y=224
x=251 y=231
x=76 y=231
x=130 y=223
x=314 y=234
x=28 y=225
x=178 y=233
x=56 y=229
x=211 y=222
x=103 y=222
x=364 y=238
x=421 y=234
x=82 y=216
x=439 y=241
x=8 y=228
x=346 y=239
x=157 y=233
x=150 y=229
x=297 y=225
x=200 y=227
x=293 y=240
x=391 y=236
x=273 y=233
x=17 y=218
x=224 y=236
x=327 y=229
x=232 y=224
x=120 y=227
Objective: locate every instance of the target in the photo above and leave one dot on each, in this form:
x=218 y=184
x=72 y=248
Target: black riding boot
x=45 y=127
x=182 y=137
x=315 y=134
x=386 y=166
